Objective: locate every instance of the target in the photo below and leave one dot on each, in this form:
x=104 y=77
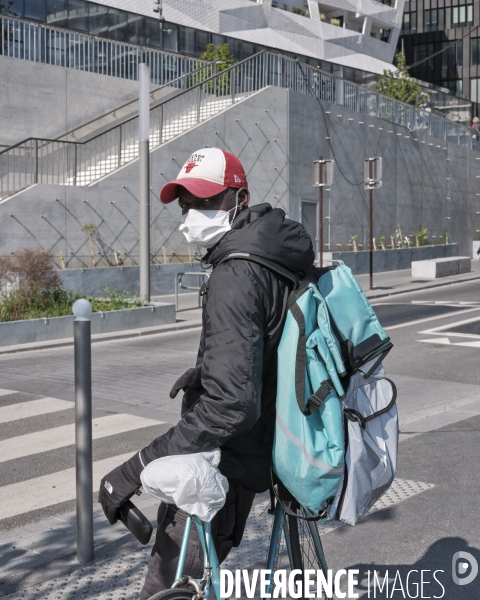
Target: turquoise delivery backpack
x=330 y=332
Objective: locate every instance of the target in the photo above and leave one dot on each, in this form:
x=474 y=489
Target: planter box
x=57 y=328
x=391 y=260
x=92 y=282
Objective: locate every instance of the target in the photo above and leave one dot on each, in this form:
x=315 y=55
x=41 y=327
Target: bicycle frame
x=210 y=559
x=211 y=564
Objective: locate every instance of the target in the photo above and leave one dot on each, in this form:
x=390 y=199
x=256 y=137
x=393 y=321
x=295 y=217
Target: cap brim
x=198 y=187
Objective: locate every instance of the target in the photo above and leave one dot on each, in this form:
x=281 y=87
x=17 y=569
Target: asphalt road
x=434 y=363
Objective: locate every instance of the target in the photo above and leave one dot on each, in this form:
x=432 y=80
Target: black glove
x=190 y=377
x=119 y=486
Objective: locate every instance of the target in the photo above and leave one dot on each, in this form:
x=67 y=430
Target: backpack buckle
x=317 y=399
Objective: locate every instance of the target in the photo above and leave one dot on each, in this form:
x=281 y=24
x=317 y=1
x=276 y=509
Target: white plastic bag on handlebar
x=191 y=481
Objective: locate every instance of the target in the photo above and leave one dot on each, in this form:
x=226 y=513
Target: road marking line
x=6 y=392
x=452 y=334
x=450 y=314
x=453 y=303
x=34 y=408
x=442 y=328
x=58 y=437
x=41 y=492
x=443 y=340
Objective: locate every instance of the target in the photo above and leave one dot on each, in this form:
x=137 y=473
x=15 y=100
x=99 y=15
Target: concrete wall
x=276 y=134
x=30 y=108
x=259 y=138
x=96 y=282
x=391 y=260
x=425 y=181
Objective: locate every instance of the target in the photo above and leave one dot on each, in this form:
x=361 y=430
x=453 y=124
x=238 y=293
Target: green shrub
x=30 y=289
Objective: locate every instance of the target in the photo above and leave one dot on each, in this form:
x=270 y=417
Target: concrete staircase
x=160 y=133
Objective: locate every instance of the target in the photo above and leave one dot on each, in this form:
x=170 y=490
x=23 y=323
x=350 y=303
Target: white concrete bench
x=441 y=267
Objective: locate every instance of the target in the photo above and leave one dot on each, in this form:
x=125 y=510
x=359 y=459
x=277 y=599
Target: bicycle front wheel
x=175 y=594
x=307 y=551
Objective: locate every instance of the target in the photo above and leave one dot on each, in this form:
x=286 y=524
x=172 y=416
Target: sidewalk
x=390 y=283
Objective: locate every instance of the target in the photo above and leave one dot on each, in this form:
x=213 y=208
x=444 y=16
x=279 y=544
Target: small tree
x=27 y=280
x=421 y=236
x=399 y=85
x=90 y=229
x=224 y=58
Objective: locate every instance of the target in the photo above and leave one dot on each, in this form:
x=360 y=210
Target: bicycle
x=302 y=541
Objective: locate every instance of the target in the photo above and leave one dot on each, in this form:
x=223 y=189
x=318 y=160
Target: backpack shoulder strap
x=270 y=264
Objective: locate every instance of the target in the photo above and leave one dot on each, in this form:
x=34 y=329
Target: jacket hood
x=264 y=231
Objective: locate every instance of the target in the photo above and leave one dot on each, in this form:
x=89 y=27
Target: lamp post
x=322 y=177
x=373 y=181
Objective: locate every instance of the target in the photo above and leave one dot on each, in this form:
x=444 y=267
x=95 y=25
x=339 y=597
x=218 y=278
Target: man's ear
x=243 y=198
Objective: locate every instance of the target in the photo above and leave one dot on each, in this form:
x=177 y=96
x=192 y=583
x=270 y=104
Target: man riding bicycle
x=229 y=399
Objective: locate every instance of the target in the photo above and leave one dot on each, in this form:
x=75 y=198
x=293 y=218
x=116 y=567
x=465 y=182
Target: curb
x=104 y=337
x=413 y=288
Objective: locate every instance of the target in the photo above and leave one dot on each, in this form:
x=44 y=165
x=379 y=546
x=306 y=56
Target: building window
x=78 y=15
x=57 y=12
x=452 y=58
x=434 y=19
x=462 y=16
x=474 y=52
x=454 y=85
x=201 y=42
x=385 y=35
x=117 y=24
x=136 y=29
x=421 y=52
x=13 y=8
x=475 y=89
x=98 y=19
x=186 y=43
x=35 y=10
x=409 y=23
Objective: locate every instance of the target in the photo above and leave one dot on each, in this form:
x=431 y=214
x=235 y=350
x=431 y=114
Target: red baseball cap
x=206 y=173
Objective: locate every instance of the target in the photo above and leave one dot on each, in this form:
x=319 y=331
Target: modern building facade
x=360 y=35
x=354 y=41
x=430 y=26
x=274 y=112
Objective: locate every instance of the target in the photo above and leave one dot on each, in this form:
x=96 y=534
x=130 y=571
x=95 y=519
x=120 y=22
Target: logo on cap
x=189 y=166
x=237 y=179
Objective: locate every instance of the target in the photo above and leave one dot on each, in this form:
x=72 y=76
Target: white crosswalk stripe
x=41 y=492
x=52 y=439
x=34 y=408
x=6 y=392
x=34 y=486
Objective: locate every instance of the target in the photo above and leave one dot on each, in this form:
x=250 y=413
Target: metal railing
x=72 y=163
x=62 y=48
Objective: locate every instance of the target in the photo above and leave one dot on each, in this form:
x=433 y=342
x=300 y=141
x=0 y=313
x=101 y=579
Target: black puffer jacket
x=230 y=401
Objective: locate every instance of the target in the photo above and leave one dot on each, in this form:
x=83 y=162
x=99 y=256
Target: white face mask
x=206 y=227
